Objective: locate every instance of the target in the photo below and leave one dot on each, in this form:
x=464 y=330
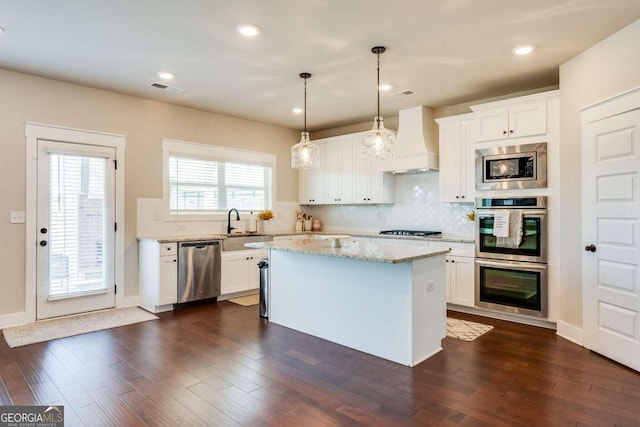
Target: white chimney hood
x=415 y=149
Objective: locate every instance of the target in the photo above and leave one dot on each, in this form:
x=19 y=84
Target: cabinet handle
x=504 y=132
x=462 y=197
x=590 y=248
x=446 y=260
x=511 y=131
x=175 y=260
x=453 y=260
x=457 y=197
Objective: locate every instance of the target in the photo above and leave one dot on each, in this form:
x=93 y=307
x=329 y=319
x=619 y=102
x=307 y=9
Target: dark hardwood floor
x=223 y=365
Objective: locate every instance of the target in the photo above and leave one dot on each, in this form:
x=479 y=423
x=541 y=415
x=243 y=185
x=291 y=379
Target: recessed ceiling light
x=166 y=75
x=385 y=87
x=297 y=110
x=523 y=50
x=248 y=30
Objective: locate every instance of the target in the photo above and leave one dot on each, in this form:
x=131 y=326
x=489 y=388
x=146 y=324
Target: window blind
x=200 y=186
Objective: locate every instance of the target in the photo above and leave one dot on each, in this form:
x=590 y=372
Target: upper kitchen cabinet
x=344 y=177
x=338 y=170
x=311 y=184
x=370 y=185
x=513 y=118
x=457 y=159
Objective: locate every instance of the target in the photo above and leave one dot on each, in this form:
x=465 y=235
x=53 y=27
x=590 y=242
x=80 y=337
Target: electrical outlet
x=431 y=286
x=16 y=217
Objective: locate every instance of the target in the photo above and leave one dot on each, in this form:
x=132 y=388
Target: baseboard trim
x=131 y=301
x=570 y=332
x=13 y=319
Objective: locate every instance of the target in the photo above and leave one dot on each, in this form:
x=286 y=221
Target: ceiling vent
x=170 y=89
x=406 y=92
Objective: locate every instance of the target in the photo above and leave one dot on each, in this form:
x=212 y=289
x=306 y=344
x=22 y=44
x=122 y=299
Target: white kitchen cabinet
x=513 y=118
x=158 y=275
x=370 y=184
x=311 y=184
x=460 y=272
x=240 y=270
x=344 y=177
x=338 y=170
x=457 y=159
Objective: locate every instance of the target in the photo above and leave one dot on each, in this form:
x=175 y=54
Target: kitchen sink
x=236 y=241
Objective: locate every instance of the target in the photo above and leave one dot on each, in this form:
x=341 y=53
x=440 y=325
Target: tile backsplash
x=416 y=207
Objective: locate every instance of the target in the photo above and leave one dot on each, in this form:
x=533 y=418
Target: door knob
x=590 y=248
x=43 y=243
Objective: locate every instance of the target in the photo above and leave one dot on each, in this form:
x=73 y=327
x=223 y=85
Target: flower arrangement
x=265 y=214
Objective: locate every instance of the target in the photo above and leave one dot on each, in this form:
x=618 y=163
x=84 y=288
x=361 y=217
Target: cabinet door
x=311 y=185
x=450 y=154
x=468 y=131
x=338 y=170
x=235 y=274
x=461 y=280
x=492 y=124
x=528 y=119
x=361 y=174
x=168 y=280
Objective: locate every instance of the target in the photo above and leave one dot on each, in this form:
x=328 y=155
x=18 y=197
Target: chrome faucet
x=229 y=227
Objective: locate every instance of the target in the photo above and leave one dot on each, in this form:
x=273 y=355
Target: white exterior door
x=75 y=228
x=611 y=233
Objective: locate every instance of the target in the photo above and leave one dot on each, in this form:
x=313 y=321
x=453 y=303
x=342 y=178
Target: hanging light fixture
x=378 y=142
x=305 y=154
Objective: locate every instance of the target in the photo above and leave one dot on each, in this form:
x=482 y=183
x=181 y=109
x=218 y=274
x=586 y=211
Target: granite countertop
x=376 y=252
x=439 y=238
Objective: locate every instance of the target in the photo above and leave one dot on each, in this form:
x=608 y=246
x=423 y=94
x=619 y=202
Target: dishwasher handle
x=200 y=244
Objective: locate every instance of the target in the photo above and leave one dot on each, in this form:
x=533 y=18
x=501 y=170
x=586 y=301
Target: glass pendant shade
x=378 y=142
x=305 y=154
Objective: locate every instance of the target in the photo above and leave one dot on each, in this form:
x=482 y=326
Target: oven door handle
x=518 y=264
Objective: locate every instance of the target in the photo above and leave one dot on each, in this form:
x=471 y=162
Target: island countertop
x=376 y=252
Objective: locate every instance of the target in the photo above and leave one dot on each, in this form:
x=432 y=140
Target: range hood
x=415 y=149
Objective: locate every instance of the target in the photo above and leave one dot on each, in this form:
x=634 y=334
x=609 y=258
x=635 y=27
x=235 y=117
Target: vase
x=307 y=225
x=263 y=226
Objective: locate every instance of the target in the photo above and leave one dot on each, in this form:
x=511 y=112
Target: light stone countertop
x=439 y=238
x=376 y=252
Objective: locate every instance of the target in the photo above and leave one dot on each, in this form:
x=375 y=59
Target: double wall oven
x=511 y=275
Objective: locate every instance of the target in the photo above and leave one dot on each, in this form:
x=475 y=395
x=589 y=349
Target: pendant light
x=378 y=142
x=305 y=154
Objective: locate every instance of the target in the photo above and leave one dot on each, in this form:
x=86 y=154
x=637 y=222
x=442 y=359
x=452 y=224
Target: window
x=205 y=180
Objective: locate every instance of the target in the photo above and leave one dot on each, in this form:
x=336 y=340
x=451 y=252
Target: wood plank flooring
x=222 y=365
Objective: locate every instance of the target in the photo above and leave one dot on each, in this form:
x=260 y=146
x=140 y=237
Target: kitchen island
x=385 y=300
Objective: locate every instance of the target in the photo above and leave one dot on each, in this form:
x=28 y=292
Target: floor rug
x=465 y=330
x=46 y=330
x=247 y=301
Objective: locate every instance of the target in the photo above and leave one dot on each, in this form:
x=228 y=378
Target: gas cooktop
x=420 y=233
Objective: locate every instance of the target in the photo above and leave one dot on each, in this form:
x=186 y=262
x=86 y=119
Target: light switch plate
x=16 y=217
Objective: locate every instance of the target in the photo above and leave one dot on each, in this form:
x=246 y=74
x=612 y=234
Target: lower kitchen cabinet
x=240 y=270
x=158 y=275
x=460 y=272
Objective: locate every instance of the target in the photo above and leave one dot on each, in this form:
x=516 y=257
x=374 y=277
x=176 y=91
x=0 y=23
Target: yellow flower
x=265 y=214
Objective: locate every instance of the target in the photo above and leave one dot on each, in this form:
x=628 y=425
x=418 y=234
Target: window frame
x=212 y=153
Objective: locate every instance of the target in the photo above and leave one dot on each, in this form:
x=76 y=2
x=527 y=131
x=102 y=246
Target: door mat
x=46 y=330
x=465 y=330
x=247 y=301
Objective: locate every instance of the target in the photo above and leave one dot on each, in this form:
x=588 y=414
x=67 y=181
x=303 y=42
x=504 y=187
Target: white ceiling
x=447 y=51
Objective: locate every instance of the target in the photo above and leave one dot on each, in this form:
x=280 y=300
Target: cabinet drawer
x=168 y=249
x=457 y=249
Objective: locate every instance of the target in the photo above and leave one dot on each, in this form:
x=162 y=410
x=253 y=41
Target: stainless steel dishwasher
x=198 y=270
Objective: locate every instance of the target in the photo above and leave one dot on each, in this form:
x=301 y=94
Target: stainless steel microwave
x=512 y=167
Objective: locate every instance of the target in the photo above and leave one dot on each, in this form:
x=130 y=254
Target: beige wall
x=607 y=69
x=32 y=99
